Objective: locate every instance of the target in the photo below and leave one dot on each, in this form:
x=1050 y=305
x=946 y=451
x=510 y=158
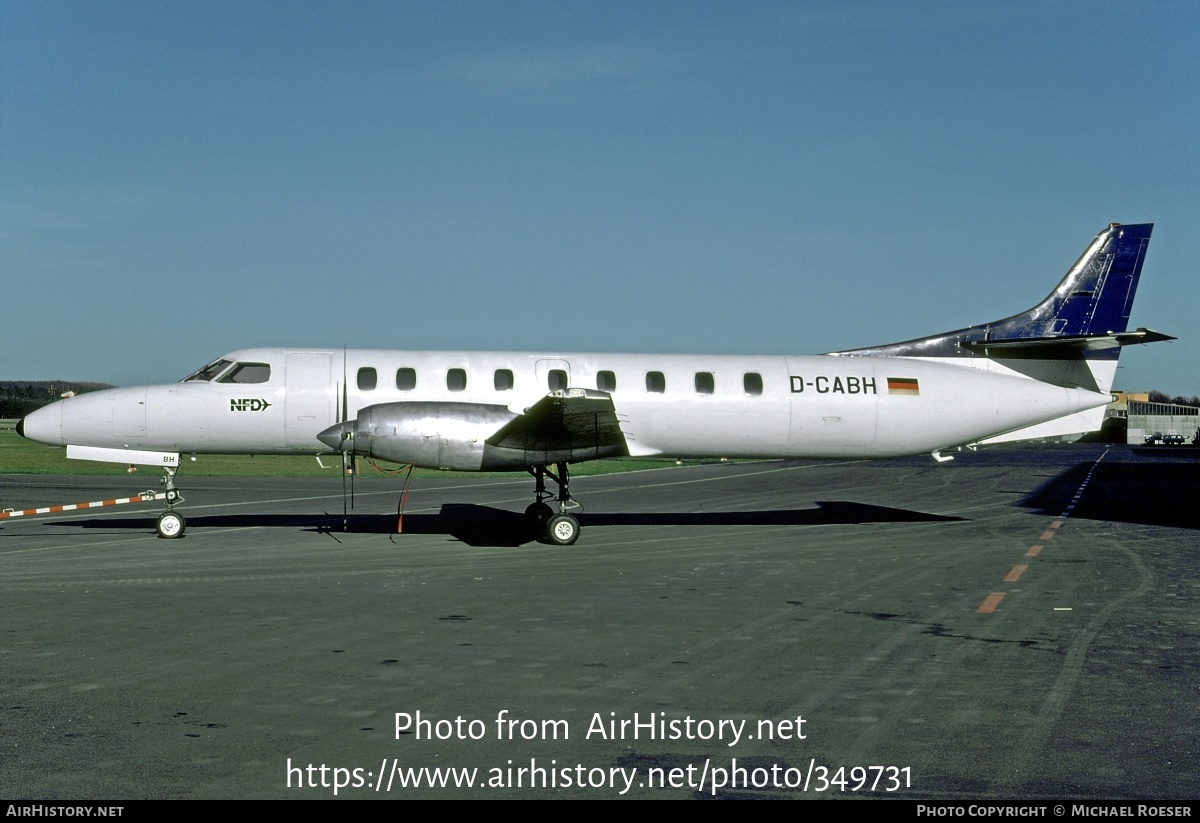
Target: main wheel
x=170 y=525
x=538 y=514
x=562 y=529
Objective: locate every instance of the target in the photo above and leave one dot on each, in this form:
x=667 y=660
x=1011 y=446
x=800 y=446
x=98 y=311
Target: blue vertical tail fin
x=1087 y=312
x=1097 y=293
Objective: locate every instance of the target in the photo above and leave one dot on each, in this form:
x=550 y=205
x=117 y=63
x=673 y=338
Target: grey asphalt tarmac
x=1019 y=623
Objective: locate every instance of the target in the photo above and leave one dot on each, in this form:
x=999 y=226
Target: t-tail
x=1071 y=339
x=1087 y=314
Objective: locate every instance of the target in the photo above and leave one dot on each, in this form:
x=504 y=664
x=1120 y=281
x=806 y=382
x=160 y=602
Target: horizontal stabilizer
x=1061 y=347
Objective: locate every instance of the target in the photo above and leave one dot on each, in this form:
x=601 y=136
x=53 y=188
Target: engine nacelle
x=428 y=434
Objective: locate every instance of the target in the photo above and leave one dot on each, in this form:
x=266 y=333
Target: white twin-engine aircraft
x=1043 y=372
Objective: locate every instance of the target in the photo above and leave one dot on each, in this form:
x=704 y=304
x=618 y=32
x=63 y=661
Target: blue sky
x=182 y=179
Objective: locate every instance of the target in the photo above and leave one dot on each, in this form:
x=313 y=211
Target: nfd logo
x=252 y=404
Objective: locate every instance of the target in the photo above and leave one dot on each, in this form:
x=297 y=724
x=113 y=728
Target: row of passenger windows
x=556 y=379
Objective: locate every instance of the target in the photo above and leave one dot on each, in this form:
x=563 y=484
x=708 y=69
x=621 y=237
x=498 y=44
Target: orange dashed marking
x=1015 y=574
x=992 y=601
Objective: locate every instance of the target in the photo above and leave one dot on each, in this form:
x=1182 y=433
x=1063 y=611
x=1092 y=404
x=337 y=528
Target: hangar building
x=1146 y=419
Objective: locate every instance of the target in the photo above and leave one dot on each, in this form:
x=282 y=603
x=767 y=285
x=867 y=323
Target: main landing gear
x=170 y=523
x=561 y=529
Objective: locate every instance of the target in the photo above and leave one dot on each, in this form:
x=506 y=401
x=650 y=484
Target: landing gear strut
x=561 y=529
x=170 y=523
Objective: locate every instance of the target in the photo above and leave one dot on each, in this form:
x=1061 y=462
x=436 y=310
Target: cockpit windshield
x=227 y=371
x=207 y=373
x=248 y=373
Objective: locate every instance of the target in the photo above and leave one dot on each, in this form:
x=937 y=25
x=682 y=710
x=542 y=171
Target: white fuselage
x=674 y=405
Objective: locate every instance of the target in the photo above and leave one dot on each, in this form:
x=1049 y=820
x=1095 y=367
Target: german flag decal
x=903 y=385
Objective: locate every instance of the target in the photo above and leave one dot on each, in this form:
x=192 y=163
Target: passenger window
x=456 y=380
x=504 y=380
x=606 y=381
x=752 y=383
x=655 y=382
x=248 y=373
x=406 y=379
x=367 y=379
x=556 y=380
x=704 y=382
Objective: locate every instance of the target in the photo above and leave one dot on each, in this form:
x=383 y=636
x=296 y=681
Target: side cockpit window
x=248 y=373
x=208 y=372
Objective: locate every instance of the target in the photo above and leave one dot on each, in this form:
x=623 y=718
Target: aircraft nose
x=43 y=425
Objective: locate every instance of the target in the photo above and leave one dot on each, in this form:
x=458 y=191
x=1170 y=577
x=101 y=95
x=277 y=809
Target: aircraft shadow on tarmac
x=487 y=526
x=1153 y=494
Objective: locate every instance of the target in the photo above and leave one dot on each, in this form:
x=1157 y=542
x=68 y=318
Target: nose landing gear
x=170 y=524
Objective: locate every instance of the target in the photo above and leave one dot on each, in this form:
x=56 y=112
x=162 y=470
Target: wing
x=564 y=426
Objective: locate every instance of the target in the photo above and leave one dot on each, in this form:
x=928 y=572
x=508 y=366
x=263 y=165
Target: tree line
x=19 y=397
x=1178 y=400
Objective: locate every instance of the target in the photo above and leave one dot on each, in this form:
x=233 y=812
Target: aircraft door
x=835 y=402
x=553 y=374
x=309 y=400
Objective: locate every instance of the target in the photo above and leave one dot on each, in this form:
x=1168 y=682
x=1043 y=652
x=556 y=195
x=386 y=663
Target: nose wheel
x=170 y=525
x=561 y=529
